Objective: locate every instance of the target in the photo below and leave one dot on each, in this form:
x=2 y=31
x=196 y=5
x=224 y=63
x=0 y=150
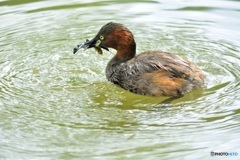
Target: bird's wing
x=151 y=61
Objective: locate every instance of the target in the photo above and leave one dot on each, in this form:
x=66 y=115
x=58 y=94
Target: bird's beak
x=89 y=44
x=85 y=45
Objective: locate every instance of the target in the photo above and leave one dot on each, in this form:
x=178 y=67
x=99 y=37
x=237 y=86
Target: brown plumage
x=152 y=73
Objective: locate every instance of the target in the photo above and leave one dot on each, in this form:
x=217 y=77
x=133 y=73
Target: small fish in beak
x=90 y=44
x=79 y=46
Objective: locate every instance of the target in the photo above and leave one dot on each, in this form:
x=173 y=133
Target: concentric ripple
x=56 y=105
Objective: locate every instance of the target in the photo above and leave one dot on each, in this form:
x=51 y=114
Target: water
x=56 y=105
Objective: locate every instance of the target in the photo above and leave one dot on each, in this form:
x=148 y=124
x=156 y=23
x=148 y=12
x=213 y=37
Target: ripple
x=59 y=105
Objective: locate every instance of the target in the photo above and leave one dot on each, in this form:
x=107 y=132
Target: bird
x=150 y=73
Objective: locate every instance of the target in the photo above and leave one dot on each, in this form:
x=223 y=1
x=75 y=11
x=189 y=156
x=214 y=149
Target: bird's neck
x=126 y=50
x=124 y=54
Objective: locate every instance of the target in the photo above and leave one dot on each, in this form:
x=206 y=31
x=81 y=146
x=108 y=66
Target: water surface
x=56 y=105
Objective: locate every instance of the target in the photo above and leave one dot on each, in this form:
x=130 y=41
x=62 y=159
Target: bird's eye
x=101 y=37
x=98 y=43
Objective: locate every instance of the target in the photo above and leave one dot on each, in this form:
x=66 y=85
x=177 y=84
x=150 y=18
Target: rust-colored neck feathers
x=123 y=41
x=126 y=47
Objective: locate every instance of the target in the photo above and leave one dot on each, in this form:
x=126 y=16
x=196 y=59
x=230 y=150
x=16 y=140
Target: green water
x=56 y=105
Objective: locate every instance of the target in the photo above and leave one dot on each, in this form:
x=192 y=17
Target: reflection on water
x=56 y=105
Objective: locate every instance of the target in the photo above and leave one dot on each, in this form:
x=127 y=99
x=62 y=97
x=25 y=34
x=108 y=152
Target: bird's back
x=158 y=73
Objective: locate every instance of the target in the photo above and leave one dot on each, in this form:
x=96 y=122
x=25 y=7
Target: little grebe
x=152 y=73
